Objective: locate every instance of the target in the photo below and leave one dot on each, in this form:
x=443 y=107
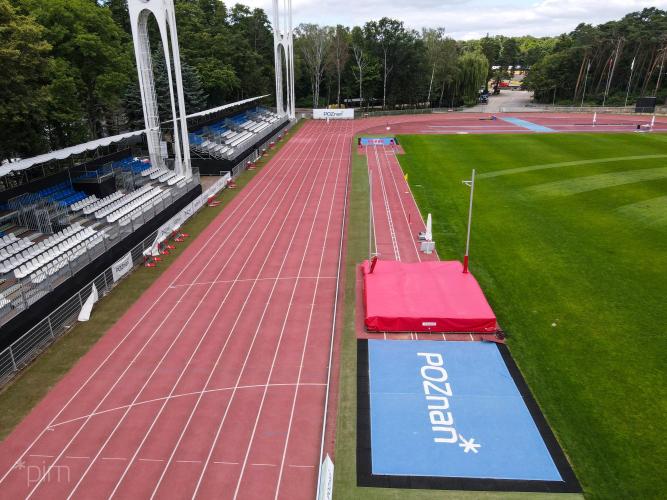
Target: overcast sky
x=465 y=19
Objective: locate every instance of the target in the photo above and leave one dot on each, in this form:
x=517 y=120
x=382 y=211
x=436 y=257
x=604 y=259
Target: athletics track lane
x=175 y=399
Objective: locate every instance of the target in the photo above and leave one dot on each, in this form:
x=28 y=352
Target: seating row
x=143 y=199
x=36 y=250
x=107 y=200
x=52 y=267
x=120 y=202
x=39 y=261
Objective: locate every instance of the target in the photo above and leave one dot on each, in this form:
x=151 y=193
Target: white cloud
x=465 y=19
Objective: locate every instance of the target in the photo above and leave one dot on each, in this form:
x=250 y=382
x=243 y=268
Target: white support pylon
x=165 y=17
x=283 y=42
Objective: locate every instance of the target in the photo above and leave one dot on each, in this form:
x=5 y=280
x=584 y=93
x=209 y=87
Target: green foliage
x=26 y=67
x=473 y=68
x=640 y=37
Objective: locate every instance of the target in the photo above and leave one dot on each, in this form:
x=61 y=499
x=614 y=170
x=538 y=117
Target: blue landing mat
x=451 y=409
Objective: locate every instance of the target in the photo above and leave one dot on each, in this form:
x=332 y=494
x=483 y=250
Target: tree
x=360 y=59
x=340 y=54
x=26 y=67
x=314 y=42
x=92 y=49
x=433 y=43
x=473 y=67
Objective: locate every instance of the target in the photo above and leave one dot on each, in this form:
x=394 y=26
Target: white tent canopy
x=226 y=106
x=61 y=154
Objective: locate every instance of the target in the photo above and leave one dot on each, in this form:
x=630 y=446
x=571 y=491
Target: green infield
x=569 y=243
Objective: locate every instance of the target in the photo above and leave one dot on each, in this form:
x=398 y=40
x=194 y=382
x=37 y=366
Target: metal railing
x=26 y=348
x=28 y=290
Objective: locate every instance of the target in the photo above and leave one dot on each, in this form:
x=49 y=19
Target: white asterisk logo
x=20 y=465
x=469 y=444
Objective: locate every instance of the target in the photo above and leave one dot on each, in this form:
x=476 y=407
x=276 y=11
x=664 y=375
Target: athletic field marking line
x=531 y=168
x=247 y=280
x=175 y=396
x=287 y=315
x=231 y=334
x=580 y=185
x=127 y=369
x=248 y=258
x=390 y=221
x=246 y=195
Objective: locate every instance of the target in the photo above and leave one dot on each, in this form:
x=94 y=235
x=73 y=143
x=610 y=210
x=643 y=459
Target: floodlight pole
x=472 y=192
x=370 y=214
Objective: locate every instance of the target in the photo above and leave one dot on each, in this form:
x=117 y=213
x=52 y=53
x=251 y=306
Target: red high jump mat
x=431 y=296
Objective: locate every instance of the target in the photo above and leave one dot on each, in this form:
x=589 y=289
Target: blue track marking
x=526 y=124
x=478 y=425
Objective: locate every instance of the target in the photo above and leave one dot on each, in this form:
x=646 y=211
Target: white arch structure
x=283 y=42
x=164 y=13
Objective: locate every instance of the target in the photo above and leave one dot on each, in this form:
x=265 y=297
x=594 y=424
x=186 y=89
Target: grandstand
x=228 y=138
x=67 y=215
x=48 y=235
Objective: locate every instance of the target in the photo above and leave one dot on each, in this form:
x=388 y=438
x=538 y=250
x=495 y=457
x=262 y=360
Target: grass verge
x=345 y=485
x=22 y=394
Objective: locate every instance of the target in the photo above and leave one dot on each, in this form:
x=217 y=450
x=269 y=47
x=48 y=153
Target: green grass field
x=570 y=245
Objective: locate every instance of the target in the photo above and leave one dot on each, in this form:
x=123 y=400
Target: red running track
x=397 y=223
x=479 y=123
x=213 y=384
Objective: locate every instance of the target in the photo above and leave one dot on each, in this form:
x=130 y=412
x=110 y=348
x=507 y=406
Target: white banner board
x=121 y=267
x=333 y=114
x=325 y=488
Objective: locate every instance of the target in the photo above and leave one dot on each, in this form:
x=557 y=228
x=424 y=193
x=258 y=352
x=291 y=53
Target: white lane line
x=250 y=280
x=331 y=339
x=266 y=179
x=202 y=300
x=322 y=252
x=175 y=396
x=250 y=254
x=151 y=460
x=259 y=323
x=390 y=220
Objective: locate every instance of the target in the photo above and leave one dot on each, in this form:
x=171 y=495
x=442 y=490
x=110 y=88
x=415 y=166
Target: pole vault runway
x=213 y=384
x=397 y=222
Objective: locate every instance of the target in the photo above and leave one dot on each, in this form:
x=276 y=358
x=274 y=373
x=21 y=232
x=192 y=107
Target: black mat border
x=365 y=477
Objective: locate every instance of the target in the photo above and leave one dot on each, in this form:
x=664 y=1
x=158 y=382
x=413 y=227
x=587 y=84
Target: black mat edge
x=366 y=478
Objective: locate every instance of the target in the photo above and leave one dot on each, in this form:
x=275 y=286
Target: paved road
x=514 y=99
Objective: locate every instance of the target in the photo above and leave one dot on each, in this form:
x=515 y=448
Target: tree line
x=612 y=63
x=70 y=74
